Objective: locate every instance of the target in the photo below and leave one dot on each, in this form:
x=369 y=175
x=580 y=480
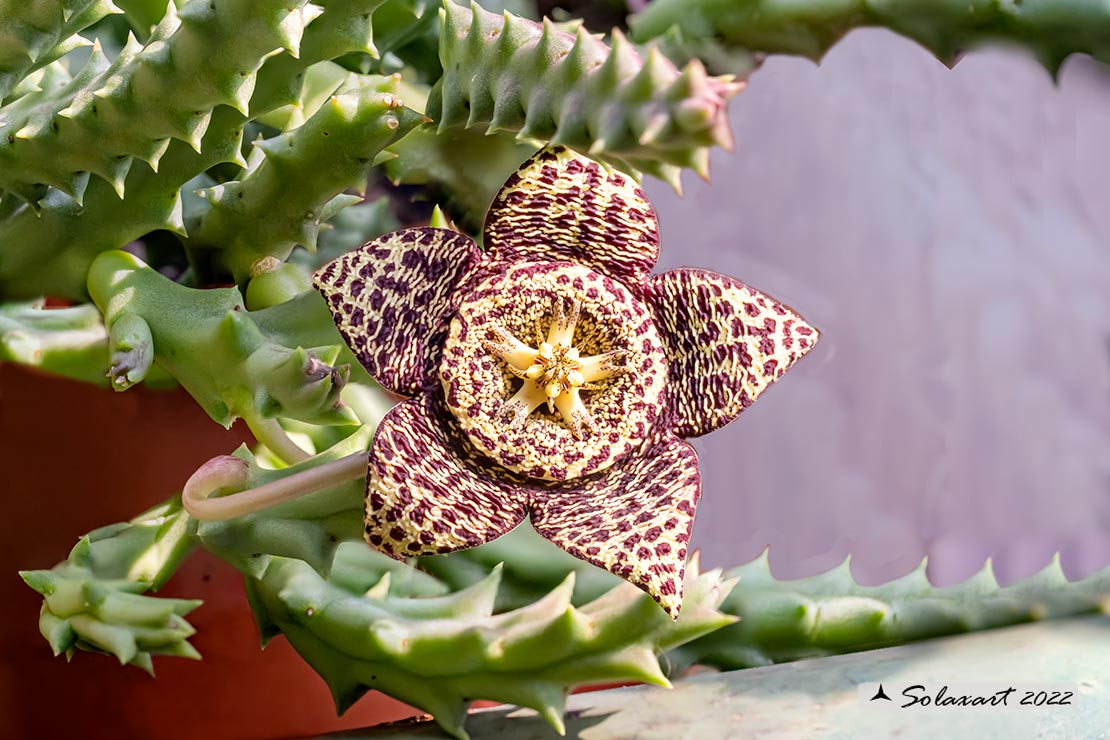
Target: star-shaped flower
x=551 y=376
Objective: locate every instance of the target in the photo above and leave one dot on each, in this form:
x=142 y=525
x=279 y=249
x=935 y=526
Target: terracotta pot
x=75 y=458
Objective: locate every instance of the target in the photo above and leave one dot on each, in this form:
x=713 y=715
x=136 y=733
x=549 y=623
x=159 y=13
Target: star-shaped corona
x=554 y=372
x=551 y=376
x=600 y=370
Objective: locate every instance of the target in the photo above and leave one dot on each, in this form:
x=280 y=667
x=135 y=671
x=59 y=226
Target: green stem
x=503 y=73
x=93 y=600
x=1051 y=30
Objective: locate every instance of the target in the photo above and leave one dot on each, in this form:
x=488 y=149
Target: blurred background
x=948 y=230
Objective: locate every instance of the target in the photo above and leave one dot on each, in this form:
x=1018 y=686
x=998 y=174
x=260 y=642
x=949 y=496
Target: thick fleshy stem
x=68 y=235
x=282 y=361
x=1051 y=30
x=36 y=33
x=226 y=471
x=94 y=600
x=506 y=74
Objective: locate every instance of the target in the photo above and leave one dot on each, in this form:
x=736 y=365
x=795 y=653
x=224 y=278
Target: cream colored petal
x=373 y=291
x=574 y=412
x=562 y=327
x=726 y=344
x=563 y=207
x=426 y=494
x=510 y=349
x=526 y=400
x=599 y=367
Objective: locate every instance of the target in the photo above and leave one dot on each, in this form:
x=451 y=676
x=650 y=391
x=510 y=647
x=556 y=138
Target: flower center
x=554 y=372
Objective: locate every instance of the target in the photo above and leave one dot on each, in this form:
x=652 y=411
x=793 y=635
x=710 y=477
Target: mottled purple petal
x=560 y=206
x=426 y=493
x=391 y=299
x=726 y=343
x=634 y=520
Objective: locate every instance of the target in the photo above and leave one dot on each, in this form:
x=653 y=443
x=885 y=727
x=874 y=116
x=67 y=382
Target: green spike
x=144 y=662
x=117 y=641
x=379 y=590
x=174 y=219
x=58 y=632
x=40 y=580
x=440 y=220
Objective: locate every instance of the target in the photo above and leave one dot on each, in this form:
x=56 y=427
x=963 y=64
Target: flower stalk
x=227 y=471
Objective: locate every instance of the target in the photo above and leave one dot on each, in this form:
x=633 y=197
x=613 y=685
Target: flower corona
x=550 y=376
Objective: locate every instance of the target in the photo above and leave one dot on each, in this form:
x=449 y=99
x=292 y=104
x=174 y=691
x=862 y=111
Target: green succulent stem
x=786 y=620
x=830 y=614
x=307 y=527
x=270 y=433
x=37 y=32
x=69 y=235
x=235 y=363
x=258 y=215
x=93 y=600
x=439 y=653
x=503 y=73
x=1050 y=30
x=88 y=215
x=365 y=621
x=199 y=57
x=70 y=342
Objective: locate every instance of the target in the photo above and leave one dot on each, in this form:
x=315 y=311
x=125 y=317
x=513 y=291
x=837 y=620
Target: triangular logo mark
x=880 y=694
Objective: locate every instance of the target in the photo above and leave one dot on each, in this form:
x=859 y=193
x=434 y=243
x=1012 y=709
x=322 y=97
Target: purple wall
x=948 y=230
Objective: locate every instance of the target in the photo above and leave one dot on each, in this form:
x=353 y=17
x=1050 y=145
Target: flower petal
x=391 y=299
x=560 y=207
x=426 y=493
x=634 y=521
x=726 y=343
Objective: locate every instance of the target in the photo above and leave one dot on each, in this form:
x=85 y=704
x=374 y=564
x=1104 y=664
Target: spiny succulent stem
x=226 y=471
x=270 y=433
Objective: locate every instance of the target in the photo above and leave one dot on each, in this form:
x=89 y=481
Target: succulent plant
x=505 y=73
x=172 y=173
x=786 y=620
x=94 y=599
